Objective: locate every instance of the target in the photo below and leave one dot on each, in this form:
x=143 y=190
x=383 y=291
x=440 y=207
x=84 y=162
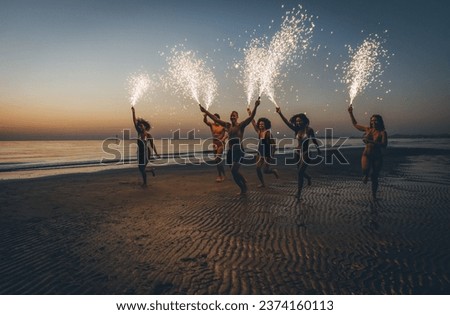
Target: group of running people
x=375 y=138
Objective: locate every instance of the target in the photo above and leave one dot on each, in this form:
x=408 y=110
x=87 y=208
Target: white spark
x=365 y=66
x=138 y=84
x=263 y=62
x=191 y=77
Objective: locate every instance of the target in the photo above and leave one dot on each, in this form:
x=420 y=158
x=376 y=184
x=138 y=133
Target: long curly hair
x=301 y=116
x=144 y=122
x=267 y=123
x=380 y=121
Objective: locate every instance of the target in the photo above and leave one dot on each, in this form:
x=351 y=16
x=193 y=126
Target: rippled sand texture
x=185 y=234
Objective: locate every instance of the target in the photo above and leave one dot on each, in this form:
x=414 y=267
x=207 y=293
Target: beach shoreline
x=102 y=233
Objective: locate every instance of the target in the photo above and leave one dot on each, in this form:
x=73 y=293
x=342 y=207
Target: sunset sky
x=64 y=64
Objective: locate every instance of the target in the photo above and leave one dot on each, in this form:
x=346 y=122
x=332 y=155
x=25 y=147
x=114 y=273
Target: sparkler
x=191 y=77
x=138 y=84
x=365 y=66
x=263 y=62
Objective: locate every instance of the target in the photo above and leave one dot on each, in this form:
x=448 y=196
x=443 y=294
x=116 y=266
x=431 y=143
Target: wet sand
x=101 y=233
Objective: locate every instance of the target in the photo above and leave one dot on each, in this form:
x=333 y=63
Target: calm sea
x=43 y=158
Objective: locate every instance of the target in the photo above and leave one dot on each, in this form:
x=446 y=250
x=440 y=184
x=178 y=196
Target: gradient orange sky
x=64 y=64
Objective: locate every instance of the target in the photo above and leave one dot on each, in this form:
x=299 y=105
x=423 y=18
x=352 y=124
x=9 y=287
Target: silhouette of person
x=266 y=148
x=220 y=136
x=235 y=148
x=375 y=138
x=299 y=123
x=145 y=143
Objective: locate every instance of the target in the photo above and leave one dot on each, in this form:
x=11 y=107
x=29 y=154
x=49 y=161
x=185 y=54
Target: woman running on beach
x=266 y=148
x=235 y=149
x=375 y=138
x=220 y=135
x=144 y=142
x=299 y=123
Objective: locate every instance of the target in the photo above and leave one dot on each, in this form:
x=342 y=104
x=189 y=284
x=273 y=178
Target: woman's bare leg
x=220 y=168
x=220 y=162
x=308 y=178
x=376 y=168
x=238 y=178
x=143 y=173
x=300 y=177
x=269 y=170
x=259 y=166
x=365 y=166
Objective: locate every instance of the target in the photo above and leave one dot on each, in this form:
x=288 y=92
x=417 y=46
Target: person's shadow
x=373 y=215
x=302 y=214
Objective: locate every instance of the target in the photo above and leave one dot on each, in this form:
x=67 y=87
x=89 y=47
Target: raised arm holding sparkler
x=220 y=136
x=144 y=139
x=235 y=149
x=299 y=123
x=266 y=148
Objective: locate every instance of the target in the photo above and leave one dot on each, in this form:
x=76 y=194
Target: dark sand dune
x=102 y=234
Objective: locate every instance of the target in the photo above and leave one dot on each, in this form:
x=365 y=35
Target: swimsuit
x=264 y=146
x=235 y=151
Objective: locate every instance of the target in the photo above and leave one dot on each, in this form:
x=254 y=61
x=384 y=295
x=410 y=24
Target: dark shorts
x=142 y=152
x=264 y=150
x=235 y=155
x=301 y=157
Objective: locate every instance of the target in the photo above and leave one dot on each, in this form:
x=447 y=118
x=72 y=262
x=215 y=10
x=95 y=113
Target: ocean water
x=23 y=155
x=43 y=158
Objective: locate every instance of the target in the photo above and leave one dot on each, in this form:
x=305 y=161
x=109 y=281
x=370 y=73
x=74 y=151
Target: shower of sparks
x=263 y=63
x=365 y=66
x=191 y=77
x=138 y=84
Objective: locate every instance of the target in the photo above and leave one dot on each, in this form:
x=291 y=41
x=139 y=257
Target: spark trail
x=264 y=62
x=191 y=77
x=138 y=84
x=365 y=66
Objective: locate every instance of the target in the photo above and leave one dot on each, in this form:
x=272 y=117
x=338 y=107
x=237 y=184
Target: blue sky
x=63 y=64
